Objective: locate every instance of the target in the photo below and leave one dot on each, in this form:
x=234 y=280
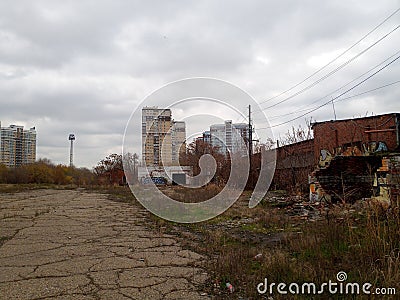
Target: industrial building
x=346 y=160
x=17 y=146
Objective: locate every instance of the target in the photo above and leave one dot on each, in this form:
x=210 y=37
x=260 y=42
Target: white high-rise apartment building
x=218 y=137
x=17 y=146
x=178 y=138
x=230 y=137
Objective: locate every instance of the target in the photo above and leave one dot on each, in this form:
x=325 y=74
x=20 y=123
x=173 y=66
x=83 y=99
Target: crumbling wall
x=356 y=137
x=341 y=163
x=394 y=180
x=294 y=163
x=346 y=179
x=348 y=157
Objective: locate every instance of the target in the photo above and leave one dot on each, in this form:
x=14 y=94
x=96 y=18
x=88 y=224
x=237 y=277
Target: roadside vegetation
x=244 y=245
x=45 y=172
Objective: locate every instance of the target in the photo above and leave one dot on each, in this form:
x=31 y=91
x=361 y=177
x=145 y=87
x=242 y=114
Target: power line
x=336 y=58
x=337 y=97
x=338 y=100
x=369 y=91
x=350 y=89
x=343 y=86
x=334 y=71
x=242 y=117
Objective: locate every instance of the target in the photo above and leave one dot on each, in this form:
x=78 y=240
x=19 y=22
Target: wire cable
x=338 y=100
x=308 y=106
x=348 y=83
x=334 y=71
x=336 y=58
x=337 y=97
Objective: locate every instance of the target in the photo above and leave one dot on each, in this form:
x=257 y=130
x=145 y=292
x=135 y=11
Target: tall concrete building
x=207 y=137
x=178 y=138
x=229 y=137
x=17 y=146
x=218 y=137
x=162 y=138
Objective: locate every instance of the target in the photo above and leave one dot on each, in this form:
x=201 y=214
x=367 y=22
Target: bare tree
x=298 y=134
x=198 y=148
x=131 y=161
x=109 y=166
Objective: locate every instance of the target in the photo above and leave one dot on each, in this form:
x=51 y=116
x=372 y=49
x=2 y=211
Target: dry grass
x=366 y=247
x=363 y=241
x=191 y=195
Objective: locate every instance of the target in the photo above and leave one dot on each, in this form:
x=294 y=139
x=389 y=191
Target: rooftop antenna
x=71 y=137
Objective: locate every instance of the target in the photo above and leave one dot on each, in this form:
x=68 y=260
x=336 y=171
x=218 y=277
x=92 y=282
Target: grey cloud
x=83 y=66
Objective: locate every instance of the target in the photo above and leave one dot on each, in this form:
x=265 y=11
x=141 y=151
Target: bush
x=43 y=171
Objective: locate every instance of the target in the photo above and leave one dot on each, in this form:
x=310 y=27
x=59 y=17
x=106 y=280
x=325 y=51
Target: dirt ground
x=69 y=244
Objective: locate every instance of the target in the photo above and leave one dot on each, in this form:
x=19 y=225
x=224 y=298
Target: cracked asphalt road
x=65 y=244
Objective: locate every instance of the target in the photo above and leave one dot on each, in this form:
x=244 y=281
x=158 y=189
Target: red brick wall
x=332 y=135
x=394 y=180
x=294 y=163
x=296 y=148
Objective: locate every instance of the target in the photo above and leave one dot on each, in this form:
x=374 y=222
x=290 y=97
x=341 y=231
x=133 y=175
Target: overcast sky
x=83 y=66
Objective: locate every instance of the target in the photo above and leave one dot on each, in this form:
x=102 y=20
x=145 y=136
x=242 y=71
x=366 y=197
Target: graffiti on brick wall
x=324 y=158
x=386 y=181
x=317 y=193
x=394 y=180
x=364 y=149
x=352 y=151
x=374 y=147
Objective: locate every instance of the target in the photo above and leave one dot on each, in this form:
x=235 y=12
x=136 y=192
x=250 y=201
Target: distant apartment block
x=207 y=137
x=163 y=139
x=17 y=146
x=228 y=137
x=178 y=139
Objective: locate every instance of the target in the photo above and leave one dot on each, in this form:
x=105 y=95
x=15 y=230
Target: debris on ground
x=258 y=256
x=229 y=287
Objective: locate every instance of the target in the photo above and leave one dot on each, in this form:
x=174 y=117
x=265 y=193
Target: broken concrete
x=79 y=245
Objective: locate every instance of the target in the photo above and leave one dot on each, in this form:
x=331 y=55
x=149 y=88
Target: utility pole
x=135 y=177
x=250 y=138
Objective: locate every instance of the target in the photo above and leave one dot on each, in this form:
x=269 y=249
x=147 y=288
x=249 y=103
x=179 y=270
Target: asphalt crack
x=81 y=245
